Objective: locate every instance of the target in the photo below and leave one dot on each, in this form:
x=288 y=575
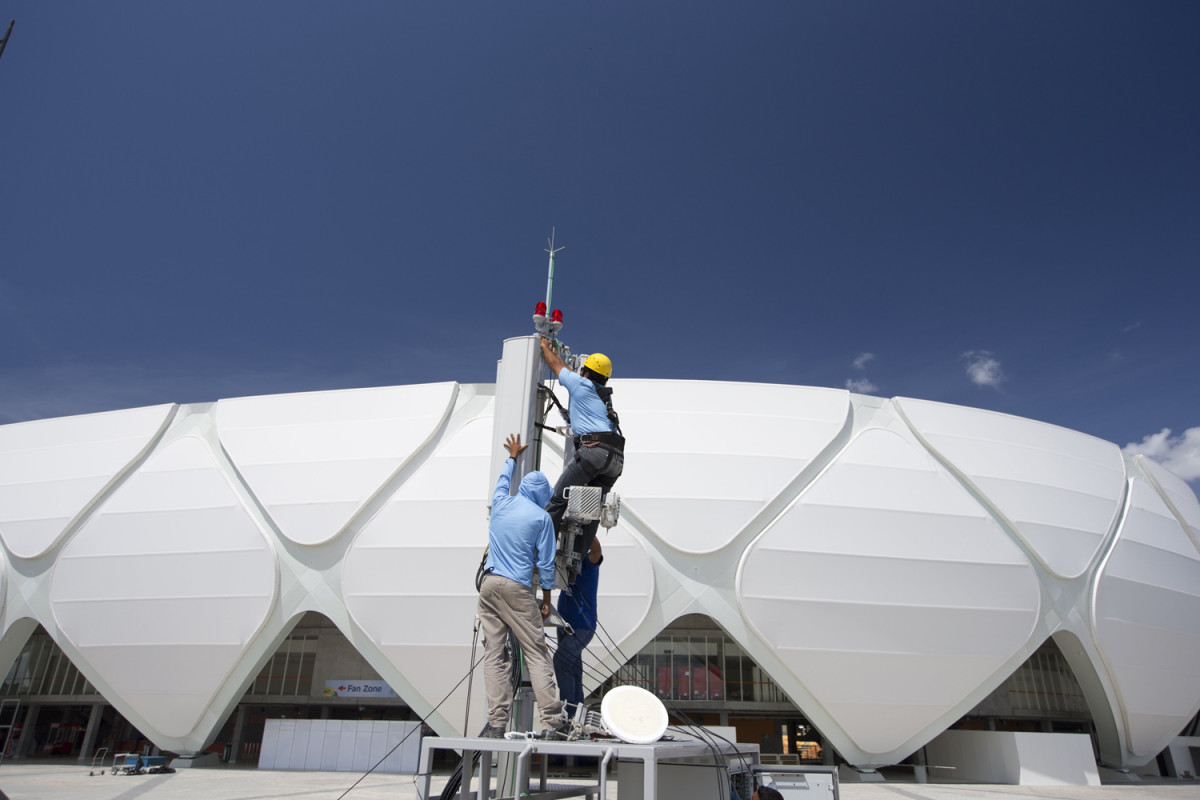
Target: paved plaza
x=70 y=781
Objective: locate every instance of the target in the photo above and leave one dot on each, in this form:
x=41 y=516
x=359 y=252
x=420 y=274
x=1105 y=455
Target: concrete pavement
x=69 y=781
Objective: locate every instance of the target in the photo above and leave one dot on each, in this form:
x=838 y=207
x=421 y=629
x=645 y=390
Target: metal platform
x=735 y=757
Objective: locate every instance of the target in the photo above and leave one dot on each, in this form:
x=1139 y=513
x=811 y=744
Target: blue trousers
x=568 y=665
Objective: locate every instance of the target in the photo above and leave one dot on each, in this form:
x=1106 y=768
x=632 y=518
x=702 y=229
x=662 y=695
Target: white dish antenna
x=634 y=715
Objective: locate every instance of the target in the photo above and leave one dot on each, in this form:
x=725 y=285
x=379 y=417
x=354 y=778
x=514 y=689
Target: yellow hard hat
x=599 y=364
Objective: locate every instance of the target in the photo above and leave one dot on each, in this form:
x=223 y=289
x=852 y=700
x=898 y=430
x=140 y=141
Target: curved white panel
x=164 y=587
x=1178 y=494
x=1060 y=488
x=50 y=469
x=313 y=459
x=1147 y=621
x=408 y=577
x=703 y=457
x=888 y=592
x=885 y=596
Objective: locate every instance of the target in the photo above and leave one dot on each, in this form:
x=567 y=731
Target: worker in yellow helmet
x=599 y=453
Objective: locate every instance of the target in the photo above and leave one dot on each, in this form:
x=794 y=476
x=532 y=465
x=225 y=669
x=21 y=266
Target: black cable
x=583 y=666
x=705 y=736
x=592 y=673
x=566 y=415
x=453 y=689
x=456 y=778
x=740 y=756
x=512 y=647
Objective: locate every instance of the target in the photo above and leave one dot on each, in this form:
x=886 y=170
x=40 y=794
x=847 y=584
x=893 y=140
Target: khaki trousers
x=505 y=605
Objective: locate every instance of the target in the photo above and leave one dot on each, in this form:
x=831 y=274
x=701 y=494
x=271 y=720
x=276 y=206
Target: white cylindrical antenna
x=550 y=277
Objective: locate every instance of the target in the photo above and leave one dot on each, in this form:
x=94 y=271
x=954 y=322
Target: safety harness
x=612 y=440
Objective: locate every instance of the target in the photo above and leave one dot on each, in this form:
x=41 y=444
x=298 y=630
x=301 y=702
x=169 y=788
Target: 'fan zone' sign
x=358 y=689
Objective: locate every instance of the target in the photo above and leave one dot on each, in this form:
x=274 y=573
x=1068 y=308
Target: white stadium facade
x=835 y=575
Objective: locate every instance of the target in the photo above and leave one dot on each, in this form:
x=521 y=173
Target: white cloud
x=1180 y=454
x=862 y=385
x=983 y=369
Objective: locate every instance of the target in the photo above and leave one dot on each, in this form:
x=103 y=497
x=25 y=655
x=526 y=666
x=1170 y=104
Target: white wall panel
x=703 y=458
x=51 y=469
x=341 y=745
x=163 y=588
x=313 y=459
x=300 y=743
x=1147 y=621
x=331 y=744
x=1061 y=489
x=347 y=746
x=379 y=744
x=887 y=592
x=274 y=731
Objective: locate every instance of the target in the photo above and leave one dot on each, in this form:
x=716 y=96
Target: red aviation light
x=556 y=316
x=540 y=309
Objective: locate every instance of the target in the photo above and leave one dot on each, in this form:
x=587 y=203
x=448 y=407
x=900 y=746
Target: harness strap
x=605 y=394
x=614 y=441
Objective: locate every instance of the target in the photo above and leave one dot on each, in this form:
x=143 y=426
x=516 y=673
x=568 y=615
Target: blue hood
x=536 y=488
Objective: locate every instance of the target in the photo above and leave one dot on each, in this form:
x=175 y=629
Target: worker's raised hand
x=553 y=359
x=514 y=446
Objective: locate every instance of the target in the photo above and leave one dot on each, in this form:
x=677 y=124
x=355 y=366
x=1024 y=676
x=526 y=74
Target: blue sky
x=989 y=203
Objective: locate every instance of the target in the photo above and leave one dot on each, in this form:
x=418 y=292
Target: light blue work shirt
x=520 y=532
x=588 y=412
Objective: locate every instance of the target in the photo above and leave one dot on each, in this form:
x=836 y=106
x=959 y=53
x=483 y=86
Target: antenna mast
x=550 y=278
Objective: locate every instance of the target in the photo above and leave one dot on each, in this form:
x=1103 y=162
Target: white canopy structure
x=888 y=562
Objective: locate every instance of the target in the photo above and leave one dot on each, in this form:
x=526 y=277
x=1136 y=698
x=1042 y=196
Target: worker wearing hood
x=520 y=535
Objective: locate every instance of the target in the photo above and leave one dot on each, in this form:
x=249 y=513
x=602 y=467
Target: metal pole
x=470 y=680
x=550 y=277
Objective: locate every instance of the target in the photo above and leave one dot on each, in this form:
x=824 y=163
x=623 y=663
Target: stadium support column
x=517 y=378
x=25 y=744
x=235 y=741
x=89 y=736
